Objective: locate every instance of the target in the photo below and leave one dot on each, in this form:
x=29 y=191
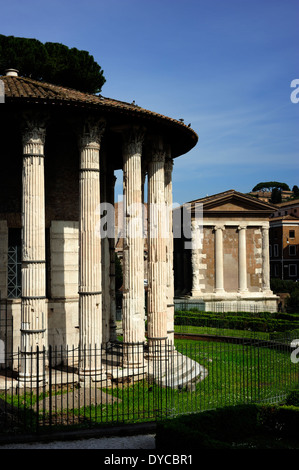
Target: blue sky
x=226 y=66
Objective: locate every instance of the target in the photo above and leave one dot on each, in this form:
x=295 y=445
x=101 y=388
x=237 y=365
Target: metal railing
x=67 y=386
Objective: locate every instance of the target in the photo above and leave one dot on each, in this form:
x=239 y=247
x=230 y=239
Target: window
x=275 y=250
x=270 y=251
x=14 y=264
x=292 y=250
x=291 y=233
x=292 y=270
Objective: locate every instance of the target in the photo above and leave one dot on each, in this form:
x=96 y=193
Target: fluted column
x=242 y=260
x=219 y=279
x=133 y=315
x=33 y=311
x=112 y=323
x=105 y=249
x=169 y=251
x=90 y=295
x=157 y=306
x=265 y=260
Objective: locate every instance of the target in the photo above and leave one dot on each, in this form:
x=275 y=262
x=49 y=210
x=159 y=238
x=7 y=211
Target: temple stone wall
x=63 y=283
x=230 y=259
x=64 y=249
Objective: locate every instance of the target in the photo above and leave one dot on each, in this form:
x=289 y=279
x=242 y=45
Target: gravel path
x=146 y=441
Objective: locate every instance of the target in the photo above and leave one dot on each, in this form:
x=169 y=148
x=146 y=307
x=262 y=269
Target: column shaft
x=157 y=306
x=33 y=312
x=90 y=279
x=112 y=292
x=133 y=251
x=242 y=260
x=169 y=251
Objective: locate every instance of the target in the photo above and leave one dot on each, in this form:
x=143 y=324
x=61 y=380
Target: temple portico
x=229 y=255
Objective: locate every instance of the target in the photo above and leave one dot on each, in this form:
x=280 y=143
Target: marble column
x=105 y=248
x=242 y=260
x=157 y=306
x=133 y=314
x=169 y=250
x=33 y=309
x=265 y=260
x=112 y=323
x=90 y=276
x=219 y=279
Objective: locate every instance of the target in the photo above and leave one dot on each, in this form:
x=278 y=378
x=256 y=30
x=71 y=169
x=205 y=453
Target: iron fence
x=67 y=386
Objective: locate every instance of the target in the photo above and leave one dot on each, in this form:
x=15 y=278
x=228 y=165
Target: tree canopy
x=295 y=190
x=270 y=186
x=51 y=62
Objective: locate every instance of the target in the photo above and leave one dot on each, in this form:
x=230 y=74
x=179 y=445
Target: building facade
x=284 y=241
x=226 y=265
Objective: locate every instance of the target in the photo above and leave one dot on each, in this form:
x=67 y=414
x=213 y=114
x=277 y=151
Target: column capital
x=133 y=139
x=33 y=130
x=92 y=132
x=242 y=227
x=168 y=165
x=219 y=227
x=158 y=155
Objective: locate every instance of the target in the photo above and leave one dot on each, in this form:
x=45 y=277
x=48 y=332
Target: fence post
x=37 y=389
x=50 y=385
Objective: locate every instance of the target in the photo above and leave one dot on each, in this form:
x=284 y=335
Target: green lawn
x=236 y=374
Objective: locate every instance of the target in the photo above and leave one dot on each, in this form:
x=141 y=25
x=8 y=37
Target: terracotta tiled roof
x=22 y=88
x=288 y=217
x=290 y=202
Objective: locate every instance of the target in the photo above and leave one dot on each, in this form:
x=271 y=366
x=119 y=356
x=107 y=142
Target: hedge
x=237 y=321
x=210 y=429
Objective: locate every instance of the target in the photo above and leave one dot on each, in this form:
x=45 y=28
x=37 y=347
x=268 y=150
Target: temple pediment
x=233 y=202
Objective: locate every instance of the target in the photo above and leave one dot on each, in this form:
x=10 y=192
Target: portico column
x=265 y=259
x=157 y=306
x=169 y=250
x=133 y=315
x=219 y=279
x=33 y=311
x=90 y=295
x=242 y=260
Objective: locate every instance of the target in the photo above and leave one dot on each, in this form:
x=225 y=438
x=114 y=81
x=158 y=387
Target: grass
x=237 y=374
x=207 y=330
